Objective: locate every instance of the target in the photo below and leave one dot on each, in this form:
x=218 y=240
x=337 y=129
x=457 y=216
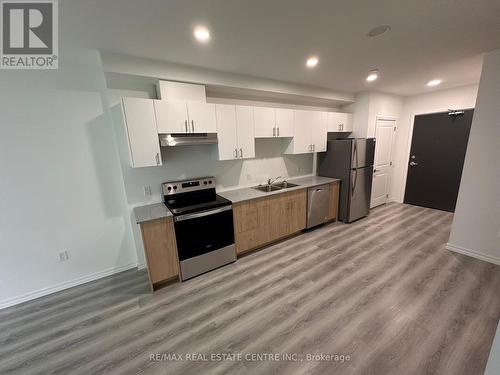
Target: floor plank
x=383 y=291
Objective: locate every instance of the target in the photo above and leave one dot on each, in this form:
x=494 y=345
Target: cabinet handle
x=241 y=152
x=157 y=158
x=278 y=131
x=235 y=153
x=192 y=125
x=274 y=132
x=186 y=125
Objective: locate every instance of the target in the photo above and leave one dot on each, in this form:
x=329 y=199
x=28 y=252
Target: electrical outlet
x=63 y=256
x=147 y=191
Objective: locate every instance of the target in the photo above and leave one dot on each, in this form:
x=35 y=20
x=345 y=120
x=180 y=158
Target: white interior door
x=384 y=135
x=202 y=117
x=245 y=132
x=226 y=124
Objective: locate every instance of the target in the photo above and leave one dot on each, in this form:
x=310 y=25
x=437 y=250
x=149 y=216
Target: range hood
x=179 y=139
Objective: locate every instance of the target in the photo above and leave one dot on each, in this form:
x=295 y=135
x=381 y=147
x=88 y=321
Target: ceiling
x=429 y=39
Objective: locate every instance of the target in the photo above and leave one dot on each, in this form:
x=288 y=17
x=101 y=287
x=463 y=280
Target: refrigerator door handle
x=356 y=153
x=355 y=181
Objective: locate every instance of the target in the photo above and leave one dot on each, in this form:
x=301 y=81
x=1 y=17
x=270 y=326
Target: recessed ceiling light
x=434 y=82
x=312 y=62
x=372 y=76
x=379 y=30
x=202 y=34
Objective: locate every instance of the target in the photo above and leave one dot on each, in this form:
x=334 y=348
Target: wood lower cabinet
x=161 y=250
x=261 y=221
x=288 y=213
x=252 y=224
x=334 y=201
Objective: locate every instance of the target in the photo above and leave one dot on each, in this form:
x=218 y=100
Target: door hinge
x=394 y=128
x=390 y=163
x=387 y=195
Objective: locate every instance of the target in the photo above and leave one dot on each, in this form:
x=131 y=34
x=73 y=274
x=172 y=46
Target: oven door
x=202 y=232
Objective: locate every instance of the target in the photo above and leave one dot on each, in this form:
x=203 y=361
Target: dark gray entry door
x=436 y=161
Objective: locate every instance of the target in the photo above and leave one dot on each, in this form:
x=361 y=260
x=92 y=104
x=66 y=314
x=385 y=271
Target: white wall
x=368 y=106
x=220 y=82
x=61 y=184
x=361 y=113
x=476 y=224
x=436 y=101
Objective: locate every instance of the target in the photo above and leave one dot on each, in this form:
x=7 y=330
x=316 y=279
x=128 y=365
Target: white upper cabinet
x=309 y=132
x=245 y=132
x=319 y=131
x=301 y=142
x=273 y=122
x=265 y=122
x=227 y=139
x=142 y=134
x=202 y=117
x=235 y=132
x=185 y=117
x=171 y=116
x=284 y=122
x=340 y=122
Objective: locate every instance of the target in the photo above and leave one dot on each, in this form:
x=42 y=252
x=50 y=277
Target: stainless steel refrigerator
x=351 y=160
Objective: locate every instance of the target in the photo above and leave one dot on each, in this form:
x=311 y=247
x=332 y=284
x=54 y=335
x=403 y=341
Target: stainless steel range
x=203 y=224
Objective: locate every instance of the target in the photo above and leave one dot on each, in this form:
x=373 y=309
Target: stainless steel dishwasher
x=318 y=203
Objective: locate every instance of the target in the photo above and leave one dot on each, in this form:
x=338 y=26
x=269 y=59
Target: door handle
x=192 y=125
x=241 y=152
x=355 y=181
x=186 y=125
x=413 y=163
x=157 y=158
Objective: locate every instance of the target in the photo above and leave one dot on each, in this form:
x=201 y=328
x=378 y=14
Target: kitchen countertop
x=151 y=212
x=159 y=210
x=245 y=194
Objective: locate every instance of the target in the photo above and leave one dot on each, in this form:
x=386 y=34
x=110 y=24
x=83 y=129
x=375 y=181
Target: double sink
x=274 y=187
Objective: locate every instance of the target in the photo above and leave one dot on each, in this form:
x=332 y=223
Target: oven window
x=201 y=235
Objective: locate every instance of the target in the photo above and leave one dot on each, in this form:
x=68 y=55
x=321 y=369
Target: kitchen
x=253 y=188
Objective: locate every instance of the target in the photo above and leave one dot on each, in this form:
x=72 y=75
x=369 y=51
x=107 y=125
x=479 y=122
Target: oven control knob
x=175 y=187
x=209 y=181
x=169 y=188
x=205 y=182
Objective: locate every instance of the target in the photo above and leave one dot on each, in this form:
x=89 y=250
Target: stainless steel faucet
x=271 y=181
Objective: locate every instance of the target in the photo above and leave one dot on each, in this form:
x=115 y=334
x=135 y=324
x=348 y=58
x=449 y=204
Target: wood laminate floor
x=383 y=291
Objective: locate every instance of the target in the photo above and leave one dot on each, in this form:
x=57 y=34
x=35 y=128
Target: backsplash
x=196 y=161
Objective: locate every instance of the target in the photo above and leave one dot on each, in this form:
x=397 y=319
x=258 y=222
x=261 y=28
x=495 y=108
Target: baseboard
x=64 y=285
x=472 y=253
